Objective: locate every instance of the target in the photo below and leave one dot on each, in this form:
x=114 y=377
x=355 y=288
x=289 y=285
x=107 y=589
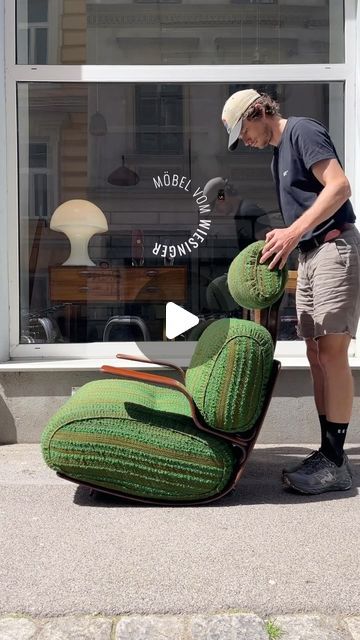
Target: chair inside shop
x=125 y=328
x=183 y=439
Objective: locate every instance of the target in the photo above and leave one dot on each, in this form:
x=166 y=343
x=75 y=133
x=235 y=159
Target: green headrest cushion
x=138 y=439
x=253 y=285
x=229 y=373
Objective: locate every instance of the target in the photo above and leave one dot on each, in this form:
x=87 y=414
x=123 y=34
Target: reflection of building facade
x=85 y=162
x=139 y=86
x=176 y=32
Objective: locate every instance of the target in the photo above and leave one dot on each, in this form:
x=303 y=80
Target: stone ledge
x=220 y=626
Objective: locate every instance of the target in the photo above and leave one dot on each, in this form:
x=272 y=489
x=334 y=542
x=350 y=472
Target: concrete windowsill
x=88 y=364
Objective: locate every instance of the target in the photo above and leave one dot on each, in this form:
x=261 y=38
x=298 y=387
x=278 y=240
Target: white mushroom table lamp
x=79 y=220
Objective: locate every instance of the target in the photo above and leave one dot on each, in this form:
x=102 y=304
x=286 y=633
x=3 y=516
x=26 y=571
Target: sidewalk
x=261 y=551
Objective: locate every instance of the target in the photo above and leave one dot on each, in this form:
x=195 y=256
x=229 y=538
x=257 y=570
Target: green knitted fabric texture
x=136 y=438
x=229 y=373
x=251 y=284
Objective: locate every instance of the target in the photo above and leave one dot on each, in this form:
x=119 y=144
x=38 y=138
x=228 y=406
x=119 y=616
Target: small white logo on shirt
x=286 y=172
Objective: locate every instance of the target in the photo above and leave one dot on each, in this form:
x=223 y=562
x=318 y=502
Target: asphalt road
x=262 y=550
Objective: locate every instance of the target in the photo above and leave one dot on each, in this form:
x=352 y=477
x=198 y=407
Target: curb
x=221 y=626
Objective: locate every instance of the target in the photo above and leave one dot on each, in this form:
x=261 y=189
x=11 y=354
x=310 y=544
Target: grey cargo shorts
x=328 y=287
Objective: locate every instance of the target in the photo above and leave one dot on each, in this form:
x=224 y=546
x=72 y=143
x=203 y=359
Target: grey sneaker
x=303 y=463
x=314 y=455
x=319 y=475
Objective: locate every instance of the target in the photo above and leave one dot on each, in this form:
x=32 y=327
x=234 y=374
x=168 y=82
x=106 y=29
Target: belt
x=321 y=238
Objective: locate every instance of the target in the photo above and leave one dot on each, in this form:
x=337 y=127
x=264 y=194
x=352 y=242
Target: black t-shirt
x=303 y=143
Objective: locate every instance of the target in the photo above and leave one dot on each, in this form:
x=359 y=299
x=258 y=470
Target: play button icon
x=178 y=320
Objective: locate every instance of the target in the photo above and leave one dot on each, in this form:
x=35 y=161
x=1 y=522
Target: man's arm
x=280 y=242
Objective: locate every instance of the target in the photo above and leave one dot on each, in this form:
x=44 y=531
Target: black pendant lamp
x=123 y=176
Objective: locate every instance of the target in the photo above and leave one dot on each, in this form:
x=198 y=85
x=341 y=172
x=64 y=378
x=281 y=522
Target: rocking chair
x=154 y=439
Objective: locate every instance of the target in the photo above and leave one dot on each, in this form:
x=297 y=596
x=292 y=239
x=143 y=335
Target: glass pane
x=186 y=32
x=145 y=236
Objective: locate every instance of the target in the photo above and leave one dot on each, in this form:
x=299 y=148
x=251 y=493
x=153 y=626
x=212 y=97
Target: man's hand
x=279 y=243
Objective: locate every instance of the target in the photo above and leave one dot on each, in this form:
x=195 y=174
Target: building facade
x=111 y=118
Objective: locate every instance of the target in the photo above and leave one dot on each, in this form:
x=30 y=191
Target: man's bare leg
x=317 y=375
x=338 y=381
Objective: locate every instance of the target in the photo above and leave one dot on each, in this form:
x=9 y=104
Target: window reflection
x=164 y=242
x=179 y=32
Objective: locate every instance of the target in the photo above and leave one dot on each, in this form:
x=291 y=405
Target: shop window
x=145 y=254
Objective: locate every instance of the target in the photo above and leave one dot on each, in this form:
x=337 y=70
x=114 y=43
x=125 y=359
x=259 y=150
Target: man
x=313 y=194
x=233 y=222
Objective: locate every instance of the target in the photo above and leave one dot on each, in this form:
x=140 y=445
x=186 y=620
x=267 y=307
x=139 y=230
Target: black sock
x=332 y=443
x=323 y=425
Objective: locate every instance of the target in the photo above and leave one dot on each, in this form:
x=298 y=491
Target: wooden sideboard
x=291 y=282
x=97 y=285
x=83 y=285
x=290 y=287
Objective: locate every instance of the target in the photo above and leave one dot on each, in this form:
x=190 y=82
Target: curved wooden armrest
x=162 y=363
x=142 y=376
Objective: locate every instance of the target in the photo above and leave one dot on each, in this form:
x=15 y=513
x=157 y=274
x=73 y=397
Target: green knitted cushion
x=251 y=284
x=138 y=439
x=229 y=373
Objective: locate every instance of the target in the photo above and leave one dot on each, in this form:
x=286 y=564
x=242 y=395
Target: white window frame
x=346 y=72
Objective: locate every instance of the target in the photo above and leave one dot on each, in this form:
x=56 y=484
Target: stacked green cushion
x=138 y=439
x=254 y=285
x=229 y=373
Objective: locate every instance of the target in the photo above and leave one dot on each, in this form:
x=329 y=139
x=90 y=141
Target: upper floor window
x=40 y=181
x=32 y=17
x=159 y=118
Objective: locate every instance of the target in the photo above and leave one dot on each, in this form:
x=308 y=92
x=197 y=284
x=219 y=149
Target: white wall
x=29 y=399
x=356 y=187
x=4 y=327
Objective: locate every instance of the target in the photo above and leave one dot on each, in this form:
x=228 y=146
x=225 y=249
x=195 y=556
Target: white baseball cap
x=234 y=109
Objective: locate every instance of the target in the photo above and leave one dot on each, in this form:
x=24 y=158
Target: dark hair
x=271 y=107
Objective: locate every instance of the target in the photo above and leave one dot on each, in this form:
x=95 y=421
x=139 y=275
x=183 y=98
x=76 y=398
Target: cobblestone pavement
x=223 y=626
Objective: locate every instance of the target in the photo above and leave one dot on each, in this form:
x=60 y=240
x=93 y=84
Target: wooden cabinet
x=120 y=284
x=83 y=284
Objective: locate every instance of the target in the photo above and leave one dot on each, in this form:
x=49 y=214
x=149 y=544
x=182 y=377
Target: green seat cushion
x=251 y=284
x=229 y=373
x=138 y=439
